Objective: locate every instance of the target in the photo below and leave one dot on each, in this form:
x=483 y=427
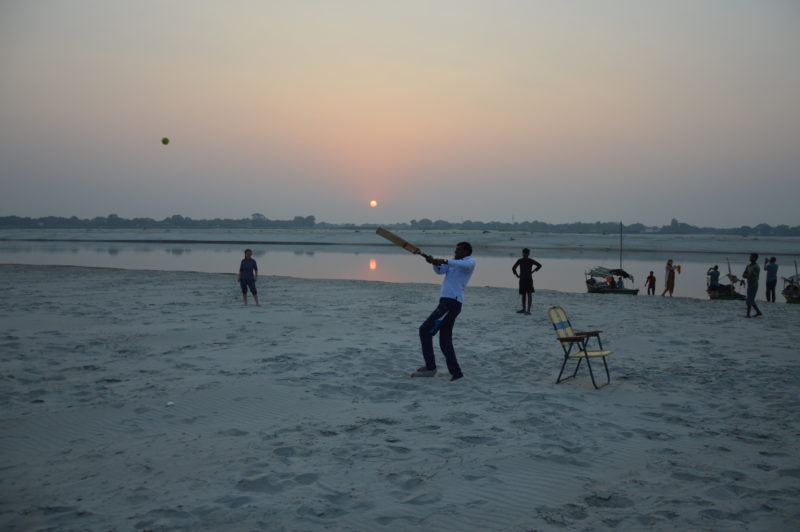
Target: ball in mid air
x=165 y=141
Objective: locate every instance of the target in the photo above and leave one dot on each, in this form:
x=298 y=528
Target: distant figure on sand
x=772 y=277
x=248 y=275
x=713 y=277
x=525 y=276
x=457 y=272
x=651 y=284
x=751 y=274
x=669 y=285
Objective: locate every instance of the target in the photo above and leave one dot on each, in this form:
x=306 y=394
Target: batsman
x=457 y=272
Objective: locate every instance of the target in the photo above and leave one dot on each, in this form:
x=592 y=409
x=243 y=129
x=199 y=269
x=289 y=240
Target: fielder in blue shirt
x=457 y=272
x=771 y=268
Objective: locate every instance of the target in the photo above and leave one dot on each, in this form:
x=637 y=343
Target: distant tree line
x=112 y=221
x=535 y=226
x=259 y=221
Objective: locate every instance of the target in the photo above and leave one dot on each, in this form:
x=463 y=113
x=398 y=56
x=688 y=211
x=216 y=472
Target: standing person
x=669 y=285
x=713 y=277
x=651 y=284
x=751 y=273
x=457 y=272
x=248 y=275
x=525 y=276
x=772 y=277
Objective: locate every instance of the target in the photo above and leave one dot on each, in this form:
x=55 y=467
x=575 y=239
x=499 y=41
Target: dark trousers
x=441 y=320
x=771 y=290
x=752 y=289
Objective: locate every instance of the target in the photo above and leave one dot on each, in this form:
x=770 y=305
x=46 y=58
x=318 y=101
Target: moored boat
x=791 y=288
x=724 y=291
x=601 y=280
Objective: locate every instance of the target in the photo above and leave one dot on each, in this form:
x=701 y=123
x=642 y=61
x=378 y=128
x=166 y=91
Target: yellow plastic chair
x=574 y=344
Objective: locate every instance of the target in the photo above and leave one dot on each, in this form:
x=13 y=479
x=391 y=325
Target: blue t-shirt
x=772 y=271
x=248 y=269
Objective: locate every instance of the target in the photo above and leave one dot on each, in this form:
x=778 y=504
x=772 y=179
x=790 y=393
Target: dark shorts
x=248 y=284
x=526 y=285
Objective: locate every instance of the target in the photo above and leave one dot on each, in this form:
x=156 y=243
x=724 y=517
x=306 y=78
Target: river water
x=563 y=270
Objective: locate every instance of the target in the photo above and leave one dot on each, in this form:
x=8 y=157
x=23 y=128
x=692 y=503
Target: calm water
x=563 y=271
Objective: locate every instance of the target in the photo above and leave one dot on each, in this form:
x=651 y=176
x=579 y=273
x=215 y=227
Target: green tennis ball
x=165 y=141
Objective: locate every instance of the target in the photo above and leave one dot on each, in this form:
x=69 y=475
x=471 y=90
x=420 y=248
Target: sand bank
x=137 y=400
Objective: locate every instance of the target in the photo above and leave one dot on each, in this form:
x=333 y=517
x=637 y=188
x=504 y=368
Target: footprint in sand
x=609 y=501
x=306 y=478
x=261 y=484
x=233 y=432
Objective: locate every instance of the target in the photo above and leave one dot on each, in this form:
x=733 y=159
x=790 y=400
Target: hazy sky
x=557 y=110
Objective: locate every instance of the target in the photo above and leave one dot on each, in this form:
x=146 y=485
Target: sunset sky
x=560 y=110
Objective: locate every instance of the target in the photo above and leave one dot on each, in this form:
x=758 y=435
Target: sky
x=496 y=110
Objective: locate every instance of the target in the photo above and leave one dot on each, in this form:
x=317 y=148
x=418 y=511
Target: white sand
x=137 y=400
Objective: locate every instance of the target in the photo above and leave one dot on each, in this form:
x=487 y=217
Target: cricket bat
x=393 y=238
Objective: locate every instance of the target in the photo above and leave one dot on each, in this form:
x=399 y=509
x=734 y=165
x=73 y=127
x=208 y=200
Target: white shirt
x=457 y=273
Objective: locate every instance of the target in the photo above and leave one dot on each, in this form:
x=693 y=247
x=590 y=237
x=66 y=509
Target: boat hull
x=623 y=291
x=727 y=297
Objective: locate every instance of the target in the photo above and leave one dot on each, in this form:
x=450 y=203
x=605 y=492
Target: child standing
x=248 y=275
x=651 y=284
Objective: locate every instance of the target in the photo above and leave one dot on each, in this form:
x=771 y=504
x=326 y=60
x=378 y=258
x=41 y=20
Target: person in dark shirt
x=651 y=284
x=248 y=275
x=751 y=274
x=525 y=275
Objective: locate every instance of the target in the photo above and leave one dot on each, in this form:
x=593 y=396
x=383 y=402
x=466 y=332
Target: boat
x=725 y=292
x=791 y=286
x=601 y=280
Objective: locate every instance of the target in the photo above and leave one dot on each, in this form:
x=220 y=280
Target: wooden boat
x=600 y=280
x=725 y=292
x=791 y=287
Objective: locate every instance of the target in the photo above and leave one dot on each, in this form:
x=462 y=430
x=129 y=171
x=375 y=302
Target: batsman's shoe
x=424 y=372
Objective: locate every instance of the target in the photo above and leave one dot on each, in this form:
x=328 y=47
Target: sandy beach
x=145 y=400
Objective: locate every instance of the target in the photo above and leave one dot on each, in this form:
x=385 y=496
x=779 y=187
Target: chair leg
x=564 y=365
x=591 y=373
x=577 y=367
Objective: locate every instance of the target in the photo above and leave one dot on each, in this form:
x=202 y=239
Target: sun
x=373 y=203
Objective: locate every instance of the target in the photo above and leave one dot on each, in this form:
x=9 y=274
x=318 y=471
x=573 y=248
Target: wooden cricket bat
x=393 y=238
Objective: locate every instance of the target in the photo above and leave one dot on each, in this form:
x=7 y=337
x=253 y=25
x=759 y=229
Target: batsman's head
x=463 y=249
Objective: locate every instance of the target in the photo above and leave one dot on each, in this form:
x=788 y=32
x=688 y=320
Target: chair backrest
x=560 y=322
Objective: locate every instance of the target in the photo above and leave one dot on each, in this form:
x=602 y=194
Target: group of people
x=669 y=285
x=457 y=273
